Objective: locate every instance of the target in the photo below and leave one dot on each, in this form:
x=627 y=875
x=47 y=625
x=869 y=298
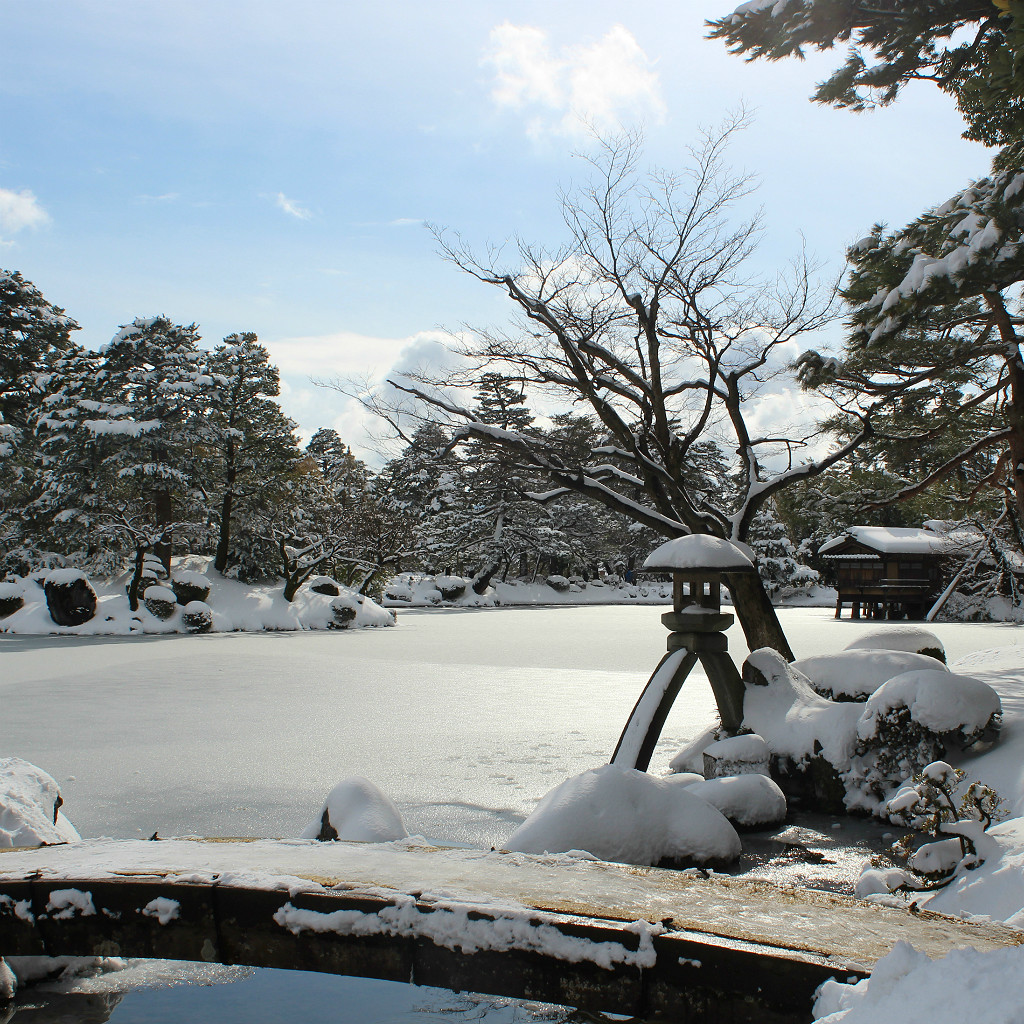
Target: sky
x=271 y=167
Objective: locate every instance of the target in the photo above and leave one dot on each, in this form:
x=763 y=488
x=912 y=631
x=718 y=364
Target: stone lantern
x=699 y=566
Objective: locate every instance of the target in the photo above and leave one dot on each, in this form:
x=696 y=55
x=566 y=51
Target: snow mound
x=746 y=800
x=906 y=986
x=699 y=552
x=792 y=717
x=29 y=802
x=159 y=593
x=937 y=699
x=899 y=638
x=856 y=674
x=620 y=814
x=356 y=810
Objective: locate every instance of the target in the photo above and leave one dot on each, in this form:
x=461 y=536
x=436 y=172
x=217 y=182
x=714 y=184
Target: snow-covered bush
x=558 y=583
x=197 y=617
x=30 y=804
x=190 y=586
x=913 y=720
x=901 y=638
x=947 y=838
x=11 y=599
x=621 y=814
x=69 y=597
x=398 y=590
x=160 y=601
x=856 y=674
x=357 y=811
x=324 y=585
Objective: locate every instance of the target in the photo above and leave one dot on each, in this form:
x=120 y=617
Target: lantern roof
x=699 y=553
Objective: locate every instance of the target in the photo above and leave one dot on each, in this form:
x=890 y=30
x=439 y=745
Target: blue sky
x=269 y=166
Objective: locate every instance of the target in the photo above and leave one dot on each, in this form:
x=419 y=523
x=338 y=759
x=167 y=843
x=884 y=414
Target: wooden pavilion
x=888 y=572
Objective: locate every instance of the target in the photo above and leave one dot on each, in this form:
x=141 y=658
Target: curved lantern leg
x=643 y=727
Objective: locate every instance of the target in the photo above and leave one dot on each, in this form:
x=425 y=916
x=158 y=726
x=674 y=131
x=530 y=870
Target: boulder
x=69 y=597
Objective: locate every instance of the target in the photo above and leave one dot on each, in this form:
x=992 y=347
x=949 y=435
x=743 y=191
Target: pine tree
x=343 y=473
x=972 y=49
x=32 y=332
x=249 y=445
x=776 y=555
x=158 y=390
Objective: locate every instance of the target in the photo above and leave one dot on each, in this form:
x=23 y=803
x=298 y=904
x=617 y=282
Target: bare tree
x=649 y=316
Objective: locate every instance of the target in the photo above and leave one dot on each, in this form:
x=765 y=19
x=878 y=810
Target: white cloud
x=405 y=222
x=601 y=85
x=292 y=207
x=19 y=210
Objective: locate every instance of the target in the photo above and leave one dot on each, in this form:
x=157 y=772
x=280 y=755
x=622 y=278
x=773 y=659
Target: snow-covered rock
x=737 y=755
x=901 y=638
x=621 y=814
x=856 y=674
x=746 y=800
x=356 y=810
x=29 y=807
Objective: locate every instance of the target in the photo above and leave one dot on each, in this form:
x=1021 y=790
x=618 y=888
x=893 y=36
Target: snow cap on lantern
x=698 y=563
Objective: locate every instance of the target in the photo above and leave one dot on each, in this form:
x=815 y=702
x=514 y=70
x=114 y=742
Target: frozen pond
x=465 y=718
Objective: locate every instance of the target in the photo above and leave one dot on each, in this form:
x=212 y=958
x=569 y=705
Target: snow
x=893 y=540
x=163 y=909
x=620 y=814
x=473 y=717
x=64 y=577
x=699 y=552
x=793 y=718
x=940 y=700
x=29 y=814
x=858 y=673
x=746 y=748
x=190 y=578
x=357 y=810
x=907 y=986
x=460 y=926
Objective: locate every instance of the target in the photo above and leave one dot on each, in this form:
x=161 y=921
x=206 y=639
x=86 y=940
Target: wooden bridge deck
x=583 y=933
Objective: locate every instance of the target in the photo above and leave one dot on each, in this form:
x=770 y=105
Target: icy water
x=465 y=718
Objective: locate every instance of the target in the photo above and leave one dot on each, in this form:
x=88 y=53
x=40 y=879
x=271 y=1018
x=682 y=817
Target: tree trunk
x=162 y=510
x=760 y=624
x=133 y=586
x=1014 y=408
x=220 y=562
